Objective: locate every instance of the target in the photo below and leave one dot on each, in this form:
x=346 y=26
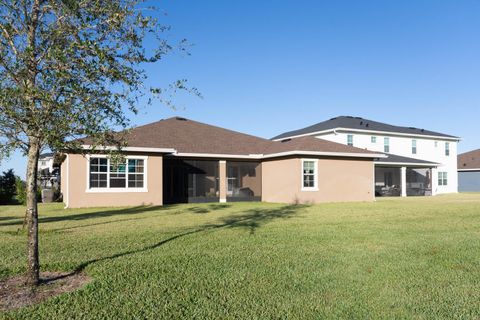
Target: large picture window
x=309 y=175
x=106 y=175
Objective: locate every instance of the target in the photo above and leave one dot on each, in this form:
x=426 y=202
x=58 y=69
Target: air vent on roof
x=367 y=125
x=413 y=128
x=333 y=118
x=358 y=117
x=423 y=130
x=181 y=119
x=285 y=140
x=350 y=117
x=361 y=123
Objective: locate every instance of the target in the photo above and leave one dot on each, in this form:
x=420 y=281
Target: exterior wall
x=76 y=193
x=469 y=181
x=339 y=180
x=402 y=146
x=45 y=163
x=64 y=179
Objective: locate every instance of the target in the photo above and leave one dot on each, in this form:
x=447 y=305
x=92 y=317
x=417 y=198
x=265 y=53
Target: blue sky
x=265 y=67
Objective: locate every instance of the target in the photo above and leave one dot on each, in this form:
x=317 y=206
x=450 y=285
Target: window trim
x=442 y=178
x=117 y=190
x=315 y=175
x=350 y=137
x=386 y=145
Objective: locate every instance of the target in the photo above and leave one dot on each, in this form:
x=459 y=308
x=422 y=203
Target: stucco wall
x=338 y=180
x=77 y=195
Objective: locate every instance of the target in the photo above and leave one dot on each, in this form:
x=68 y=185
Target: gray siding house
x=469 y=171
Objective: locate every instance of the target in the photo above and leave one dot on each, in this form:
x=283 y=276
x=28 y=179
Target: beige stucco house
x=179 y=160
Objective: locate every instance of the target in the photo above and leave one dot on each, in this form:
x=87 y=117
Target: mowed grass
x=395 y=258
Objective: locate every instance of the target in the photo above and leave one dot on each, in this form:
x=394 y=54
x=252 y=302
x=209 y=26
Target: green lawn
x=395 y=258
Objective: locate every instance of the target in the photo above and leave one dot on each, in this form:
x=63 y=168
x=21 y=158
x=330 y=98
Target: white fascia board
x=131 y=149
x=249 y=156
x=325 y=154
x=371 y=132
x=406 y=164
x=467 y=170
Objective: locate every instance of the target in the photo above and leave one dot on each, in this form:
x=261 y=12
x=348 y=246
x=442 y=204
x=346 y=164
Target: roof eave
x=445 y=137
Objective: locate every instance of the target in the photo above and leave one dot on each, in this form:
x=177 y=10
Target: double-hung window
x=350 y=139
x=442 y=179
x=414 y=146
x=128 y=175
x=447 y=148
x=309 y=175
x=386 y=144
x=98 y=173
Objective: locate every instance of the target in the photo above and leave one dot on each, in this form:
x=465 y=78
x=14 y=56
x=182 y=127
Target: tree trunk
x=33 y=271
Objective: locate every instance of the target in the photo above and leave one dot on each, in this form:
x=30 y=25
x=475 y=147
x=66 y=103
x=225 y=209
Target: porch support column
x=403 y=177
x=222 y=180
x=434 y=177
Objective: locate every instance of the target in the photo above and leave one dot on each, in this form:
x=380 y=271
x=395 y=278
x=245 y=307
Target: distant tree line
x=12 y=188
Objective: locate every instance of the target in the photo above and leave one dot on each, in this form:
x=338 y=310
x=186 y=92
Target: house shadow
x=250 y=220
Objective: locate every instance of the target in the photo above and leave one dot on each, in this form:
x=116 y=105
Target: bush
x=7 y=187
x=21 y=191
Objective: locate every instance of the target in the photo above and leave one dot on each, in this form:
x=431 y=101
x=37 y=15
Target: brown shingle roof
x=310 y=143
x=188 y=136
x=469 y=160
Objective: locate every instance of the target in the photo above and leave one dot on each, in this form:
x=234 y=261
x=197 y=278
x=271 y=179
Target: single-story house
x=178 y=160
x=469 y=171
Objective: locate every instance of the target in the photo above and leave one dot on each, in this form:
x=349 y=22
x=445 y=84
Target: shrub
x=21 y=191
x=7 y=187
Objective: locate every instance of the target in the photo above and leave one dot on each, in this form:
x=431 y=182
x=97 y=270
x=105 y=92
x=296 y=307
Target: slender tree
x=71 y=68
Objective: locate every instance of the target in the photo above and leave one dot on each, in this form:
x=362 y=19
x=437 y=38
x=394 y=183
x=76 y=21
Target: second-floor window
x=447 y=148
x=386 y=144
x=373 y=139
x=414 y=146
x=350 y=139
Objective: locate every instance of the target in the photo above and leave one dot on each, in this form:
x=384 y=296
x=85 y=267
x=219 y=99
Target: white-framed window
x=442 y=179
x=436 y=144
x=447 y=148
x=309 y=174
x=350 y=139
x=414 y=146
x=373 y=139
x=105 y=176
x=386 y=144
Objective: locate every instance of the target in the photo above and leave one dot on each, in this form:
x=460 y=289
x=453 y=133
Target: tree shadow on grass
x=250 y=220
x=93 y=214
x=209 y=208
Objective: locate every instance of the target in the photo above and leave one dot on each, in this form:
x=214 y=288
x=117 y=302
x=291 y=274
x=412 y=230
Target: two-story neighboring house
x=47 y=171
x=420 y=162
